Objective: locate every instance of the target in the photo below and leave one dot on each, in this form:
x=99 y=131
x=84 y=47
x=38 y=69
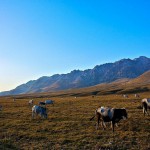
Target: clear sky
x=45 y=37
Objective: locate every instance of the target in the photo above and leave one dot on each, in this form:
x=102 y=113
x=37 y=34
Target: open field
x=68 y=126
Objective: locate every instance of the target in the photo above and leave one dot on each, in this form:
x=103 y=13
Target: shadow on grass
x=7 y=145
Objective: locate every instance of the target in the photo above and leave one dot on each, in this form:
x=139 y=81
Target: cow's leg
x=116 y=124
x=32 y=115
x=103 y=124
x=41 y=115
x=145 y=109
x=113 y=124
x=98 y=120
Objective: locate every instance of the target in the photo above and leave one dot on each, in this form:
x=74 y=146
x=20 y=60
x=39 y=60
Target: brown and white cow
x=146 y=105
x=106 y=114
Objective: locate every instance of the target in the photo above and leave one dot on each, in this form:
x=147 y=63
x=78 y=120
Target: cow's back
x=49 y=101
x=36 y=109
x=119 y=114
x=106 y=112
x=147 y=101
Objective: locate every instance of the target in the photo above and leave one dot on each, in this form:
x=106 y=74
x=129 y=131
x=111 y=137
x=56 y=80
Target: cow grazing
x=42 y=103
x=125 y=96
x=136 y=95
x=31 y=102
x=39 y=110
x=106 y=114
x=49 y=102
x=145 y=105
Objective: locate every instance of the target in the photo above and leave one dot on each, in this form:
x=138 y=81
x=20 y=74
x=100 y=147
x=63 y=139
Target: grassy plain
x=68 y=126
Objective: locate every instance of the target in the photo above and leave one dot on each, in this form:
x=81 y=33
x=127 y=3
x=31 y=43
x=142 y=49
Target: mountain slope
x=139 y=84
x=106 y=73
x=121 y=86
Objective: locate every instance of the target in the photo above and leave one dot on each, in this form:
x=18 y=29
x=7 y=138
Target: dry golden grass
x=68 y=126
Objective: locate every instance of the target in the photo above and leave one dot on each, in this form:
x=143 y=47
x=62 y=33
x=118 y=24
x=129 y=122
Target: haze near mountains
x=106 y=73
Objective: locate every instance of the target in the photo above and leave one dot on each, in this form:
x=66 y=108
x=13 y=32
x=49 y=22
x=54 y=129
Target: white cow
x=125 y=95
x=49 y=102
x=145 y=105
x=31 y=102
x=39 y=110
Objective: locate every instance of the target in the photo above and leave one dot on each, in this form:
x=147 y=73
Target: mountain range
x=105 y=73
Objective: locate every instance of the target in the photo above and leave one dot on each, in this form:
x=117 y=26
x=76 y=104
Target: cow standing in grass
x=137 y=95
x=31 y=102
x=113 y=115
x=125 y=96
x=51 y=102
x=38 y=110
x=146 y=105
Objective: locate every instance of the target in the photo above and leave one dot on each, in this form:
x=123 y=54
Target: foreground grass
x=68 y=125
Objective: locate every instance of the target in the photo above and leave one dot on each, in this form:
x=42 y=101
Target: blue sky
x=45 y=37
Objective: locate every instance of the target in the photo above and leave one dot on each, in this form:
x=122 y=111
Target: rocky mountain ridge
x=105 y=73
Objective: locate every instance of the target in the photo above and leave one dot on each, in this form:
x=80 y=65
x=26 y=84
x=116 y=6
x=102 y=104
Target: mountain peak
x=142 y=58
x=75 y=71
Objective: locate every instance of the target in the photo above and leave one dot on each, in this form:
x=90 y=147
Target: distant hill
x=106 y=73
x=121 y=86
x=136 y=85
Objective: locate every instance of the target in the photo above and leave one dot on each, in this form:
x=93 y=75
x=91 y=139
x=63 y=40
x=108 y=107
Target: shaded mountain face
x=106 y=73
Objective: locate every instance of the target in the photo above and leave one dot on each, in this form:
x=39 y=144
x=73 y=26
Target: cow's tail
x=94 y=115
